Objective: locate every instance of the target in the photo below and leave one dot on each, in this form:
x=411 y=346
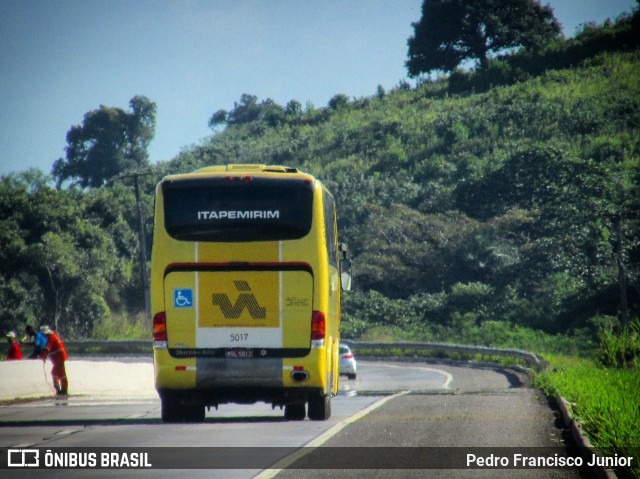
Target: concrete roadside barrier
x=29 y=379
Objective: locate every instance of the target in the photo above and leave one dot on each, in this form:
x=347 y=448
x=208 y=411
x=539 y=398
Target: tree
x=453 y=31
x=248 y=110
x=109 y=141
x=338 y=101
x=64 y=254
x=218 y=118
x=294 y=108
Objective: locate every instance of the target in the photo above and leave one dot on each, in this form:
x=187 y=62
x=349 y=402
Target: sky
x=60 y=59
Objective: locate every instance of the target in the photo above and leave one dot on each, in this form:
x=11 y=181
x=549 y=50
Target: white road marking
x=324 y=437
x=448 y=376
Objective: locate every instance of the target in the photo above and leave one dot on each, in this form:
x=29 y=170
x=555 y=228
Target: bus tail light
x=318 y=329
x=160 y=331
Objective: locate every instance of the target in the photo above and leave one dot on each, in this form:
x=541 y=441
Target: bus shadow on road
x=144 y=421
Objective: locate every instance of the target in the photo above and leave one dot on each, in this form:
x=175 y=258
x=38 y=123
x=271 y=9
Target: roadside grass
x=606 y=400
x=498 y=334
x=121 y=326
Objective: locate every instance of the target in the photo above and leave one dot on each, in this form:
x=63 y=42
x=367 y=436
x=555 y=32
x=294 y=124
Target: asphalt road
x=391 y=405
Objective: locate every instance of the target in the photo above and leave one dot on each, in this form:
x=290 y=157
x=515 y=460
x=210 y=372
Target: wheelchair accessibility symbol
x=183 y=298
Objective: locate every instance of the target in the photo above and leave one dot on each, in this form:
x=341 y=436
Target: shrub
x=619 y=346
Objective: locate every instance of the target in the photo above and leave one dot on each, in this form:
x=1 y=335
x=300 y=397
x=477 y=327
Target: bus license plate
x=238 y=353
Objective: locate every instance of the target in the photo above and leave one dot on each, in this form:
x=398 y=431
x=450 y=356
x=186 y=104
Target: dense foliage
x=67 y=256
x=109 y=141
x=453 y=31
x=496 y=203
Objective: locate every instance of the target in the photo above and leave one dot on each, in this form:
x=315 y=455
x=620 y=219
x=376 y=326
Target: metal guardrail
x=120 y=347
x=531 y=359
x=108 y=347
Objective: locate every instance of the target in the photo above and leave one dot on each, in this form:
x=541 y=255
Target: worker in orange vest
x=56 y=351
x=14 y=348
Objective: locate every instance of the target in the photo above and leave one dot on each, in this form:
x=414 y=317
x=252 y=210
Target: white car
x=348 y=366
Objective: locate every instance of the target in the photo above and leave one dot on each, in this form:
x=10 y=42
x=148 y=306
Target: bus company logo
x=23 y=458
x=245 y=300
x=239 y=215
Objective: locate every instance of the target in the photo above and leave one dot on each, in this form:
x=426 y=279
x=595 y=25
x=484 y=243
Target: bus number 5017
x=238 y=337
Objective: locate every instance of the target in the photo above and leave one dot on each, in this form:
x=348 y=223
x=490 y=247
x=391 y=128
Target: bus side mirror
x=345 y=274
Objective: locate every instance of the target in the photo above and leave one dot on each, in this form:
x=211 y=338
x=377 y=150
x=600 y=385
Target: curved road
x=395 y=404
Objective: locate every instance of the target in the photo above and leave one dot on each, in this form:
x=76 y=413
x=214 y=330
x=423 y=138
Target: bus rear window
x=237 y=209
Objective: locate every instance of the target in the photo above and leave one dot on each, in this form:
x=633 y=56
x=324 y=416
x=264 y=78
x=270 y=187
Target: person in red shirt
x=56 y=351
x=14 y=353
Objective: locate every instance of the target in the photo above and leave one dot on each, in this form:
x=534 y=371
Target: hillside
x=505 y=205
x=491 y=207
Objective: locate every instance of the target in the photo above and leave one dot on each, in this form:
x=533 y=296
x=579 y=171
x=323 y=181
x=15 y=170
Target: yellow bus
x=246 y=273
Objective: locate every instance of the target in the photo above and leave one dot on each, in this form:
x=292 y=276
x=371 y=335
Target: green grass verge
x=121 y=326
x=607 y=401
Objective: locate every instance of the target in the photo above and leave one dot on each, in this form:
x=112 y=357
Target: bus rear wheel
x=173 y=410
x=319 y=407
x=171 y=407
